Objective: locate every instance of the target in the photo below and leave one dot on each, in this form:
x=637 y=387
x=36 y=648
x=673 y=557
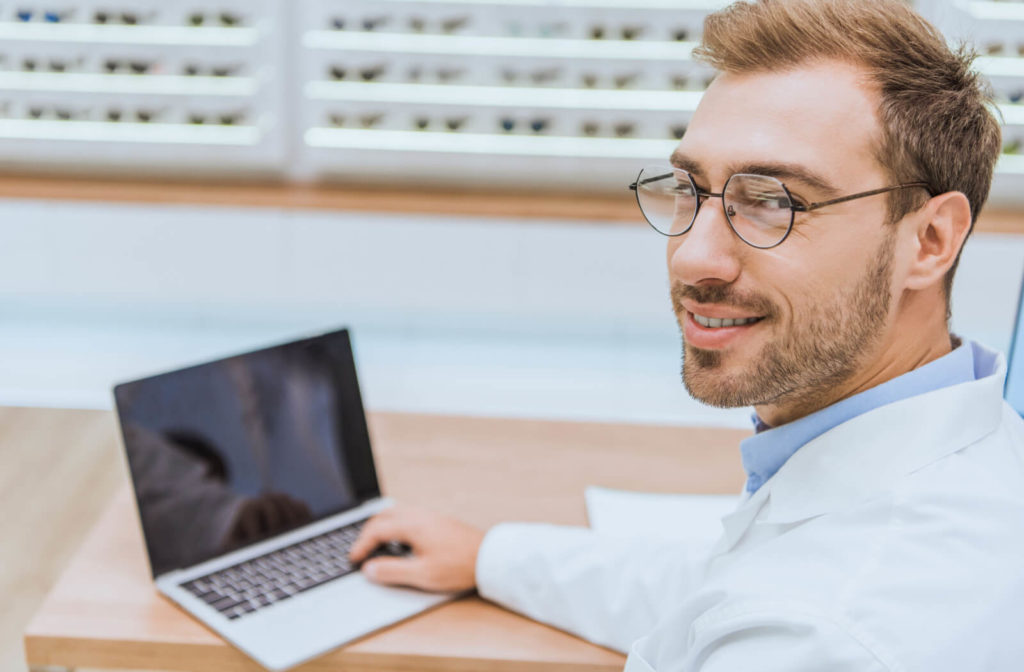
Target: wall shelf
x=125 y=132
x=1001 y=66
x=504 y=47
x=675 y=5
x=490 y=144
x=1013 y=115
x=146 y=35
x=505 y=96
x=157 y=85
x=1011 y=165
x=996 y=11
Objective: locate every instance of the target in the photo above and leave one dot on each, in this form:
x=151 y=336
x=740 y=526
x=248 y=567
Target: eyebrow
x=782 y=171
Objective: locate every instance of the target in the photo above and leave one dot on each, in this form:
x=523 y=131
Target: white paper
x=693 y=518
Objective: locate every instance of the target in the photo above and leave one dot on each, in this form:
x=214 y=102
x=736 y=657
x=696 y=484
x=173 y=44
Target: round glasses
x=759 y=208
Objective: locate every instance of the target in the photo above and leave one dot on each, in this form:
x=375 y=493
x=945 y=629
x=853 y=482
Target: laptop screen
x=1014 y=392
x=232 y=452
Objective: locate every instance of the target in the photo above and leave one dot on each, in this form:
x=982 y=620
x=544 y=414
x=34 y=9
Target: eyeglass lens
x=758 y=208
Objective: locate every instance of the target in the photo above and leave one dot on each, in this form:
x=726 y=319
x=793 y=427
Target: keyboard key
x=210 y=597
x=225 y=603
x=278 y=575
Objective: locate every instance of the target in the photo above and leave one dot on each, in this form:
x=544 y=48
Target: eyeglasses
x=759 y=209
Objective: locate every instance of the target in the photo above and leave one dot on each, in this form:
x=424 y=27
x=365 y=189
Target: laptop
x=253 y=475
x=1014 y=390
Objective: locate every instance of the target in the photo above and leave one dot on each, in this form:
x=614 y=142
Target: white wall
x=449 y=314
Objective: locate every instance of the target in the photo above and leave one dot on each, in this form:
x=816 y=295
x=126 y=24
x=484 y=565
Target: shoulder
x=927 y=575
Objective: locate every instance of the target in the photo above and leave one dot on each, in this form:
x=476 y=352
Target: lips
x=717 y=333
x=718 y=323
x=716 y=317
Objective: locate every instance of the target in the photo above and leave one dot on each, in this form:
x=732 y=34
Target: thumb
x=395 y=571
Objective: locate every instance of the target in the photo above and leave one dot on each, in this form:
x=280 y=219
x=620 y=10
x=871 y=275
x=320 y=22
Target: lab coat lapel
x=735 y=524
x=867 y=454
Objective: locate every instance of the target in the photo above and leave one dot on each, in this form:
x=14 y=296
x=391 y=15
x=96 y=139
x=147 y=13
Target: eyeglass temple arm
x=865 y=194
x=649 y=180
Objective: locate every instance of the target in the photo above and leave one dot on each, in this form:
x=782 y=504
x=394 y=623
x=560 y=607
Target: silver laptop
x=253 y=475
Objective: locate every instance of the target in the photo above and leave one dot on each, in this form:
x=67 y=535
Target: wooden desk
x=104 y=612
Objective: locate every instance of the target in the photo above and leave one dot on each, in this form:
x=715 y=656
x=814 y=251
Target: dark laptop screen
x=1015 y=373
x=231 y=452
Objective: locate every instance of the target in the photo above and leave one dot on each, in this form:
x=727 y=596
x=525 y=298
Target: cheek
x=673 y=245
x=816 y=290
x=794 y=282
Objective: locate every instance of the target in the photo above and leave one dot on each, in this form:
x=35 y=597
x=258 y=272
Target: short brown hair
x=935 y=111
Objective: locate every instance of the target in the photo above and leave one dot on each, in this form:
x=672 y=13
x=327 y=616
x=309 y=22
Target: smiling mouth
x=718 y=323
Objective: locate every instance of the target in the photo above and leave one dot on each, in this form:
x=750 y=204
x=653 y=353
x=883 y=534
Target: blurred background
x=181 y=180
x=185 y=179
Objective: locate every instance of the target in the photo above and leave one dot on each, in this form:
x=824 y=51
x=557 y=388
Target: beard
x=824 y=349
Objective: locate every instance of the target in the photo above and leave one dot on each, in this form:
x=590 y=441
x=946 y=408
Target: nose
x=709 y=253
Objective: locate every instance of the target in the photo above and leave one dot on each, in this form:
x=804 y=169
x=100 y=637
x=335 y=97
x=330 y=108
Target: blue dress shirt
x=765 y=452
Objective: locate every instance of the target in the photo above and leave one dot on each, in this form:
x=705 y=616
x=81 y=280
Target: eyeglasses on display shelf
x=106 y=83
x=364 y=120
x=312 y=89
x=229 y=19
x=548 y=90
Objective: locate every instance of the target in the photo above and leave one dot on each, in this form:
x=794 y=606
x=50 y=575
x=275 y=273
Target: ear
x=942 y=226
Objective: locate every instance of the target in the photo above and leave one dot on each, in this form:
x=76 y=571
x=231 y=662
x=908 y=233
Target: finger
x=371 y=536
x=376 y=531
x=396 y=572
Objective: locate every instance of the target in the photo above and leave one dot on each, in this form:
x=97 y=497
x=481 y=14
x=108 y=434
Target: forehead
x=821 y=116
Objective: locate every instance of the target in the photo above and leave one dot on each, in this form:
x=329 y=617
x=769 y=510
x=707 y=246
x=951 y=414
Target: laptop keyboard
x=260 y=582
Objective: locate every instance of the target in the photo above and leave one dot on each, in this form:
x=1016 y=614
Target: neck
x=918 y=336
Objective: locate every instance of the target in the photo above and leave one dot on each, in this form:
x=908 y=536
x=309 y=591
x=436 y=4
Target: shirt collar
x=764 y=453
x=868 y=454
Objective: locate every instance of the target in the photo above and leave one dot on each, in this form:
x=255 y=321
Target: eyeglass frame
x=794 y=207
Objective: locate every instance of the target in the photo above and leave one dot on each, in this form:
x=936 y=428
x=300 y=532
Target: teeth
x=715 y=323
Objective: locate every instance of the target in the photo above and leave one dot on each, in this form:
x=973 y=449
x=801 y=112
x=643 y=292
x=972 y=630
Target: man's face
x=822 y=298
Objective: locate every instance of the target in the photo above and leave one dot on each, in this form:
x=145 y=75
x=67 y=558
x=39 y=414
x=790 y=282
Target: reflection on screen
x=232 y=452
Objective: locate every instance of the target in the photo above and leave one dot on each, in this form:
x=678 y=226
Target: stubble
x=825 y=347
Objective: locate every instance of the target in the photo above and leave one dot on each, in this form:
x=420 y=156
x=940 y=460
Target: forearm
x=608 y=590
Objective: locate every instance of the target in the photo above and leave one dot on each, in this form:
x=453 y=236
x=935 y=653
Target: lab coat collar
x=866 y=455
x=737 y=522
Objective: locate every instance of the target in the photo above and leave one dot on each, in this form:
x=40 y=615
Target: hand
x=443 y=556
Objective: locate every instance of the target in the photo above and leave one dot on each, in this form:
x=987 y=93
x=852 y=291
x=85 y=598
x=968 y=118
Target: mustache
x=725 y=295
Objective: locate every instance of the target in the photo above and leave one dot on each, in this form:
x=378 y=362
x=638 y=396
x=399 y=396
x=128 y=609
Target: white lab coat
x=894 y=541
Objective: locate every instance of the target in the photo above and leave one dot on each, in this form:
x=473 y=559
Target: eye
x=683 y=188
x=702 y=192
x=799 y=202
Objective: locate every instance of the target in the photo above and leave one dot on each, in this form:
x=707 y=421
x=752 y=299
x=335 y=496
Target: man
x=816 y=210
